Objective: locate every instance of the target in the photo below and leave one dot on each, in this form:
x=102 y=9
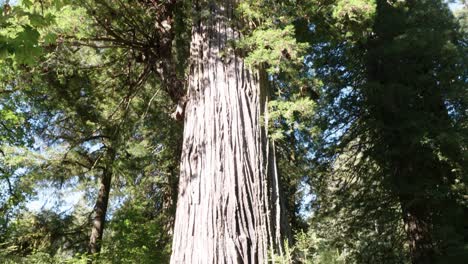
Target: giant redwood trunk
x=228 y=207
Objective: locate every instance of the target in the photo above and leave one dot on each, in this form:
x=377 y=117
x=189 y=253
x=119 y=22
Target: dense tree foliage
x=399 y=104
x=332 y=131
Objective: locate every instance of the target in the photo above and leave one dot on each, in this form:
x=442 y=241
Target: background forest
x=369 y=120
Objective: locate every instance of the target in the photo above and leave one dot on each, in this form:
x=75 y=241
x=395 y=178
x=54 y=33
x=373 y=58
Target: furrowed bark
x=228 y=208
x=102 y=201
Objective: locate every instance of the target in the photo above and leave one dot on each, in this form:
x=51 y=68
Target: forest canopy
x=233 y=131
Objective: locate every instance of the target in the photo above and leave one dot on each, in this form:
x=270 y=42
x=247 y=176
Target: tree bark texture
x=100 y=209
x=228 y=207
x=416 y=218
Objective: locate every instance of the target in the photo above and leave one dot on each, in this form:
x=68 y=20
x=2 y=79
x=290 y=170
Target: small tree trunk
x=102 y=201
x=228 y=208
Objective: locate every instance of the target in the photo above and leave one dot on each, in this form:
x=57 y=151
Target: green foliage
x=289 y=116
x=354 y=18
x=83 y=99
x=309 y=249
x=20 y=36
x=138 y=235
x=44 y=237
x=359 y=215
x=270 y=38
x=276 y=48
x=390 y=102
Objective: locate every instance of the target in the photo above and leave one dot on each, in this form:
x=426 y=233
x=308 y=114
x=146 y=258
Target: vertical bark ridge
x=227 y=207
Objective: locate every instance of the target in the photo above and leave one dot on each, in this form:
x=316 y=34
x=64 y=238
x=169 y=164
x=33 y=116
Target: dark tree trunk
x=417 y=221
x=100 y=209
x=228 y=208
